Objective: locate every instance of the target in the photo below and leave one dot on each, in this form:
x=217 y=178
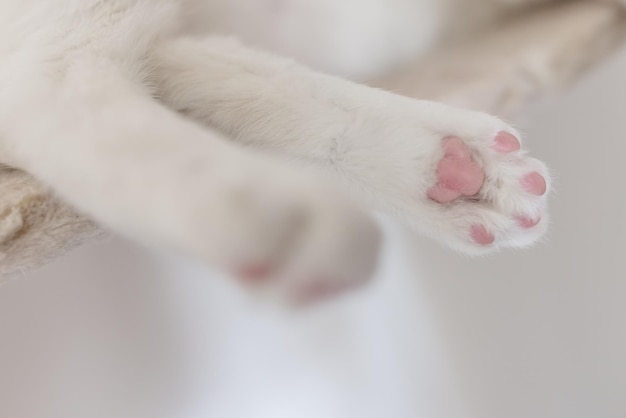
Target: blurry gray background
x=111 y=331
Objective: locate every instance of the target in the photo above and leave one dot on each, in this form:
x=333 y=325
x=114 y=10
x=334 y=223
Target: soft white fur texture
x=135 y=111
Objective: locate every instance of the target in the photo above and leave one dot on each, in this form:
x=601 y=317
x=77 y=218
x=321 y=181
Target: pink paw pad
x=482 y=236
x=506 y=143
x=534 y=183
x=457 y=174
x=527 y=222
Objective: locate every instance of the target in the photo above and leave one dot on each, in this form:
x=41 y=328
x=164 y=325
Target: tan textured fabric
x=500 y=70
x=34 y=226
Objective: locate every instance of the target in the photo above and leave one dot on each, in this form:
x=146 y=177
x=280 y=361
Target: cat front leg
x=107 y=147
x=458 y=176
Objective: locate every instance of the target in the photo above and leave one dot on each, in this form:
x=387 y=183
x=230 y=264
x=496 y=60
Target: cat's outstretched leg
x=103 y=144
x=456 y=175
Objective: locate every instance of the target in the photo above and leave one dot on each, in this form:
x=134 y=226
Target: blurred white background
x=111 y=331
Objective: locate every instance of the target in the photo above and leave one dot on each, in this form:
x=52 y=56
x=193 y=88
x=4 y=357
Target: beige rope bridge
x=500 y=70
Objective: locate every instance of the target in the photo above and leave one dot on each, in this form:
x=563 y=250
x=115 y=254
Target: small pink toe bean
x=506 y=142
x=482 y=236
x=534 y=183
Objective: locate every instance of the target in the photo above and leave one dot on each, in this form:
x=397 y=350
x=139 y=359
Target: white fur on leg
x=118 y=155
x=65 y=61
x=384 y=147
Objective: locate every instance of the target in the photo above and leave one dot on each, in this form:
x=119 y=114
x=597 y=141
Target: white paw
x=489 y=194
x=460 y=177
x=287 y=235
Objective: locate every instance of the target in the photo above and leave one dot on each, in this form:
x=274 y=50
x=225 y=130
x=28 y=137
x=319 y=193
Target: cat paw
x=488 y=193
x=291 y=238
x=457 y=176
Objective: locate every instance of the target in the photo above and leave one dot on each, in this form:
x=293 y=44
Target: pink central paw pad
x=457 y=174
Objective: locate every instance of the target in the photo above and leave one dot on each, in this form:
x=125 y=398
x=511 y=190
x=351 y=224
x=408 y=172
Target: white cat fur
x=135 y=111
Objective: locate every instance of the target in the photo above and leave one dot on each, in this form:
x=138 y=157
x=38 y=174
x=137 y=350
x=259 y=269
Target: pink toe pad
x=528 y=222
x=534 y=183
x=506 y=142
x=482 y=236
